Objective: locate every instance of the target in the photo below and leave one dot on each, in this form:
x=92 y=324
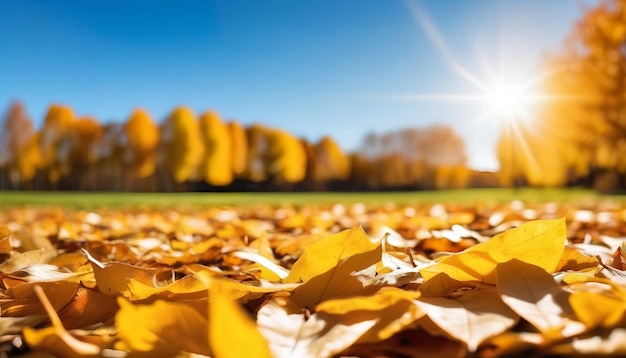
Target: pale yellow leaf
x=111 y=276
x=290 y=334
x=538 y=242
x=473 y=317
x=394 y=308
x=611 y=343
x=534 y=295
x=325 y=254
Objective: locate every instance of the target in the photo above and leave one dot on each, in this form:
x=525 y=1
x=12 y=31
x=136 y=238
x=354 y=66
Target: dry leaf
x=538 y=242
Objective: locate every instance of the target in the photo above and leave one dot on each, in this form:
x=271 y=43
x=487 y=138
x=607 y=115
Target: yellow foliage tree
x=331 y=163
x=239 y=147
x=217 y=162
x=142 y=135
x=182 y=144
x=587 y=125
x=287 y=160
x=56 y=125
x=529 y=155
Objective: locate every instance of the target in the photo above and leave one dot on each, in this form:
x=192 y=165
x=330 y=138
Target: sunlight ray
x=437 y=39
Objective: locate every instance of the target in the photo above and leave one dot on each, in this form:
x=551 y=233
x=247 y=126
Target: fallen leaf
x=596 y=301
x=290 y=334
x=472 y=317
x=348 y=277
x=111 y=276
x=538 y=242
x=24 y=300
x=56 y=339
x=326 y=254
x=393 y=308
x=161 y=328
x=232 y=332
x=534 y=295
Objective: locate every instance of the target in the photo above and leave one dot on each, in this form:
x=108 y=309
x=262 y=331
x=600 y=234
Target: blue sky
x=338 y=67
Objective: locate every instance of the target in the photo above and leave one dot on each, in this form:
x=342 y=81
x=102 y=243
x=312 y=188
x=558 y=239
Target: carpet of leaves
x=512 y=279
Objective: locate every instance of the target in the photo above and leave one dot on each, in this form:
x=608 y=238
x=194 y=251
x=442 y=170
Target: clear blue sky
x=313 y=67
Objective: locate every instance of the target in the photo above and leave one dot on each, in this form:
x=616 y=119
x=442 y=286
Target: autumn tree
x=409 y=157
x=527 y=155
x=19 y=152
x=142 y=136
x=286 y=157
x=239 y=147
x=54 y=149
x=111 y=151
x=330 y=162
x=257 y=137
x=182 y=147
x=587 y=122
x=82 y=140
x=217 y=162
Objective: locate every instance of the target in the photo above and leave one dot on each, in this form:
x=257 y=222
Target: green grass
x=93 y=200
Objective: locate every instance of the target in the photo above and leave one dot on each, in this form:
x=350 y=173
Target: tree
x=56 y=125
x=85 y=133
x=587 y=125
x=111 y=151
x=142 y=136
x=182 y=147
x=286 y=157
x=217 y=162
x=409 y=157
x=331 y=163
x=239 y=147
x=527 y=154
x=19 y=152
x=80 y=151
x=257 y=137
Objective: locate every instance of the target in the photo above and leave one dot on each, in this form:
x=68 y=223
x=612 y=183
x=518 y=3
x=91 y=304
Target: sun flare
x=508 y=102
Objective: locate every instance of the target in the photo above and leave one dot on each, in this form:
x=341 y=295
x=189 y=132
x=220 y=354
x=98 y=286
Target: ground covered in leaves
x=315 y=281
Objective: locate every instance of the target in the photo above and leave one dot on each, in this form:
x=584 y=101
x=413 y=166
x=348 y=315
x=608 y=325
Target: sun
x=508 y=102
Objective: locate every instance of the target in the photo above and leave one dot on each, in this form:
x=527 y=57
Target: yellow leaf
x=595 y=309
x=326 y=254
x=596 y=301
x=188 y=287
x=534 y=295
x=111 y=276
x=574 y=260
x=393 y=308
x=162 y=328
x=382 y=299
x=539 y=243
x=232 y=333
x=268 y=267
x=470 y=317
x=347 y=278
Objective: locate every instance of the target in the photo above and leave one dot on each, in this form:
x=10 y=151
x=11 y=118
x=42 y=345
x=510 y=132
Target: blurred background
x=312 y=95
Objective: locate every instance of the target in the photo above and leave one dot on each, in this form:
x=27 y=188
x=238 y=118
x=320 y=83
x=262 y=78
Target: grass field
x=90 y=200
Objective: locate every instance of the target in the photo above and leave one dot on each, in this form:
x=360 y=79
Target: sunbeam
x=437 y=39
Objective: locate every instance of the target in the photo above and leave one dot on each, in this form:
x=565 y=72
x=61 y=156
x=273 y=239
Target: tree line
x=203 y=152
